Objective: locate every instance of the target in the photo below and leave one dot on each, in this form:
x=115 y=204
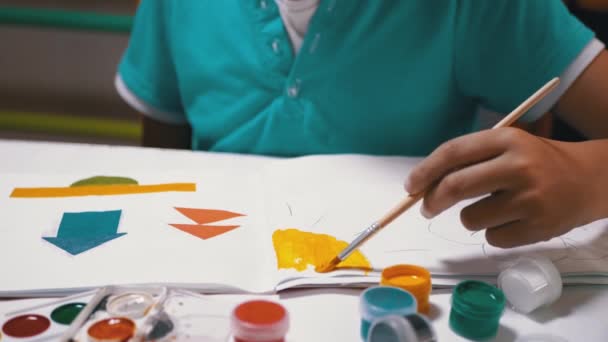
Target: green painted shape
x=70 y=125
x=476 y=309
x=66 y=313
x=104 y=180
x=62 y=19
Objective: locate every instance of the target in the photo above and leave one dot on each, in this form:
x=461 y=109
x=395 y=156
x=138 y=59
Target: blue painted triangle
x=89 y=224
x=77 y=245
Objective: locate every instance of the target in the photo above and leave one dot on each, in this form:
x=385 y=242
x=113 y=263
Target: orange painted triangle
x=202 y=216
x=202 y=231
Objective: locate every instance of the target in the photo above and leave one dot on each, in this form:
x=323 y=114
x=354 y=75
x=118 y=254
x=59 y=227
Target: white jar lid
x=531 y=282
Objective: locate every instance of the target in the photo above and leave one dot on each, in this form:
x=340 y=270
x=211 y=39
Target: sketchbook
x=245 y=224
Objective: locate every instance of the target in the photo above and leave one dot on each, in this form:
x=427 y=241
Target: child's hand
x=539 y=188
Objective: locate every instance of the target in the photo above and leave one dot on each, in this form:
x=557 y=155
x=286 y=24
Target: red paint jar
x=259 y=321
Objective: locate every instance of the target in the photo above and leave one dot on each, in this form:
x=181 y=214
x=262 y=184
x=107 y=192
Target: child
x=295 y=77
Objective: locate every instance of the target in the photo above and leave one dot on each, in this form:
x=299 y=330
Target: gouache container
x=409 y=328
x=108 y=314
x=476 y=309
x=44 y=322
x=259 y=320
x=530 y=283
x=381 y=301
x=414 y=279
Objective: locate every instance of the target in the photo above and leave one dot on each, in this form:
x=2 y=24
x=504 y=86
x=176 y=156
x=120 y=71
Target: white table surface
x=581 y=314
x=333 y=315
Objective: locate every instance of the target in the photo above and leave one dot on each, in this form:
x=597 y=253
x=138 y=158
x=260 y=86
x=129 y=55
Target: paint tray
x=134 y=314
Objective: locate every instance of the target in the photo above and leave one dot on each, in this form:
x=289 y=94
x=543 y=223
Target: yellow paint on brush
x=298 y=250
x=100 y=190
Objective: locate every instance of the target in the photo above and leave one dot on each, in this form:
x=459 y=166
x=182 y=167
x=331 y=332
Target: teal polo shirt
x=372 y=77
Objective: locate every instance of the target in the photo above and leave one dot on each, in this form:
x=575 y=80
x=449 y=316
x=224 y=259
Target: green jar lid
x=476 y=309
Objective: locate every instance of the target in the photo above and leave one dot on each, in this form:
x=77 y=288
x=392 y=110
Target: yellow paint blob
x=298 y=250
x=408 y=280
x=412 y=278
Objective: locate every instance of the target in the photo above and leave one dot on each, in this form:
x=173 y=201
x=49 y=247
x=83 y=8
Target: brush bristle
x=328 y=267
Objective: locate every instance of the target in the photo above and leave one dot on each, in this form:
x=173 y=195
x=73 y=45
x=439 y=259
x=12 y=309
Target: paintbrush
x=412 y=199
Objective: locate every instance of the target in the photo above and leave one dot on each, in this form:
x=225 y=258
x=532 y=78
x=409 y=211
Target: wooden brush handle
x=399 y=209
x=410 y=200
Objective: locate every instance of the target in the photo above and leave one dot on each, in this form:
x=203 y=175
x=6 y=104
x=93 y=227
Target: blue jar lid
x=379 y=301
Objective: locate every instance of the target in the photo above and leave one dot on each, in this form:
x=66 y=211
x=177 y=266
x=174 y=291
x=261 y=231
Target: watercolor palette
x=122 y=314
x=44 y=322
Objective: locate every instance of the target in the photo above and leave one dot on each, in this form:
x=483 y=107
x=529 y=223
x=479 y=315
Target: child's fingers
x=492 y=211
x=515 y=234
x=454 y=154
x=469 y=182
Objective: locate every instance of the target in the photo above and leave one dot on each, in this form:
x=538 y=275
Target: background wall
x=61 y=75
x=56 y=71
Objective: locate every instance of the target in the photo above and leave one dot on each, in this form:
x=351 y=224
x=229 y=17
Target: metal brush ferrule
x=366 y=234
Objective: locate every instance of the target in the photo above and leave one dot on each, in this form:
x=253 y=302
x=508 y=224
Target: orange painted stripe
x=101 y=190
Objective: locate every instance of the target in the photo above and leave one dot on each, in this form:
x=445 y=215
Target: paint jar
x=531 y=282
x=380 y=301
x=476 y=309
x=414 y=279
x=409 y=328
x=260 y=321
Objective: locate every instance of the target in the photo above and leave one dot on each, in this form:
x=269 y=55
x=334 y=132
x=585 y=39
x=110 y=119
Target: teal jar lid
x=476 y=309
x=380 y=301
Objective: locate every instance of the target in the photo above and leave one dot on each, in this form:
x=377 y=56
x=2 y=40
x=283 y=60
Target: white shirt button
x=293 y=91
x=315 y=43
x=263 y=4
x=276 y=46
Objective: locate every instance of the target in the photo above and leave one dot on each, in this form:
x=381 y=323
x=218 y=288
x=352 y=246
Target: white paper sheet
x=151 y=252
x=335 y=195
x=341 y=196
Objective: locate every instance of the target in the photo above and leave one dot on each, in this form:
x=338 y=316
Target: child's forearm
x=158 y=134
x=593 y=156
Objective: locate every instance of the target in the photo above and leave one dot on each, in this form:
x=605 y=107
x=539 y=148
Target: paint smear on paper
x=100 y=190
x=105 y=180
x=79 y=232
x=202 y=216
x=300 y=250
x=203 y=231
